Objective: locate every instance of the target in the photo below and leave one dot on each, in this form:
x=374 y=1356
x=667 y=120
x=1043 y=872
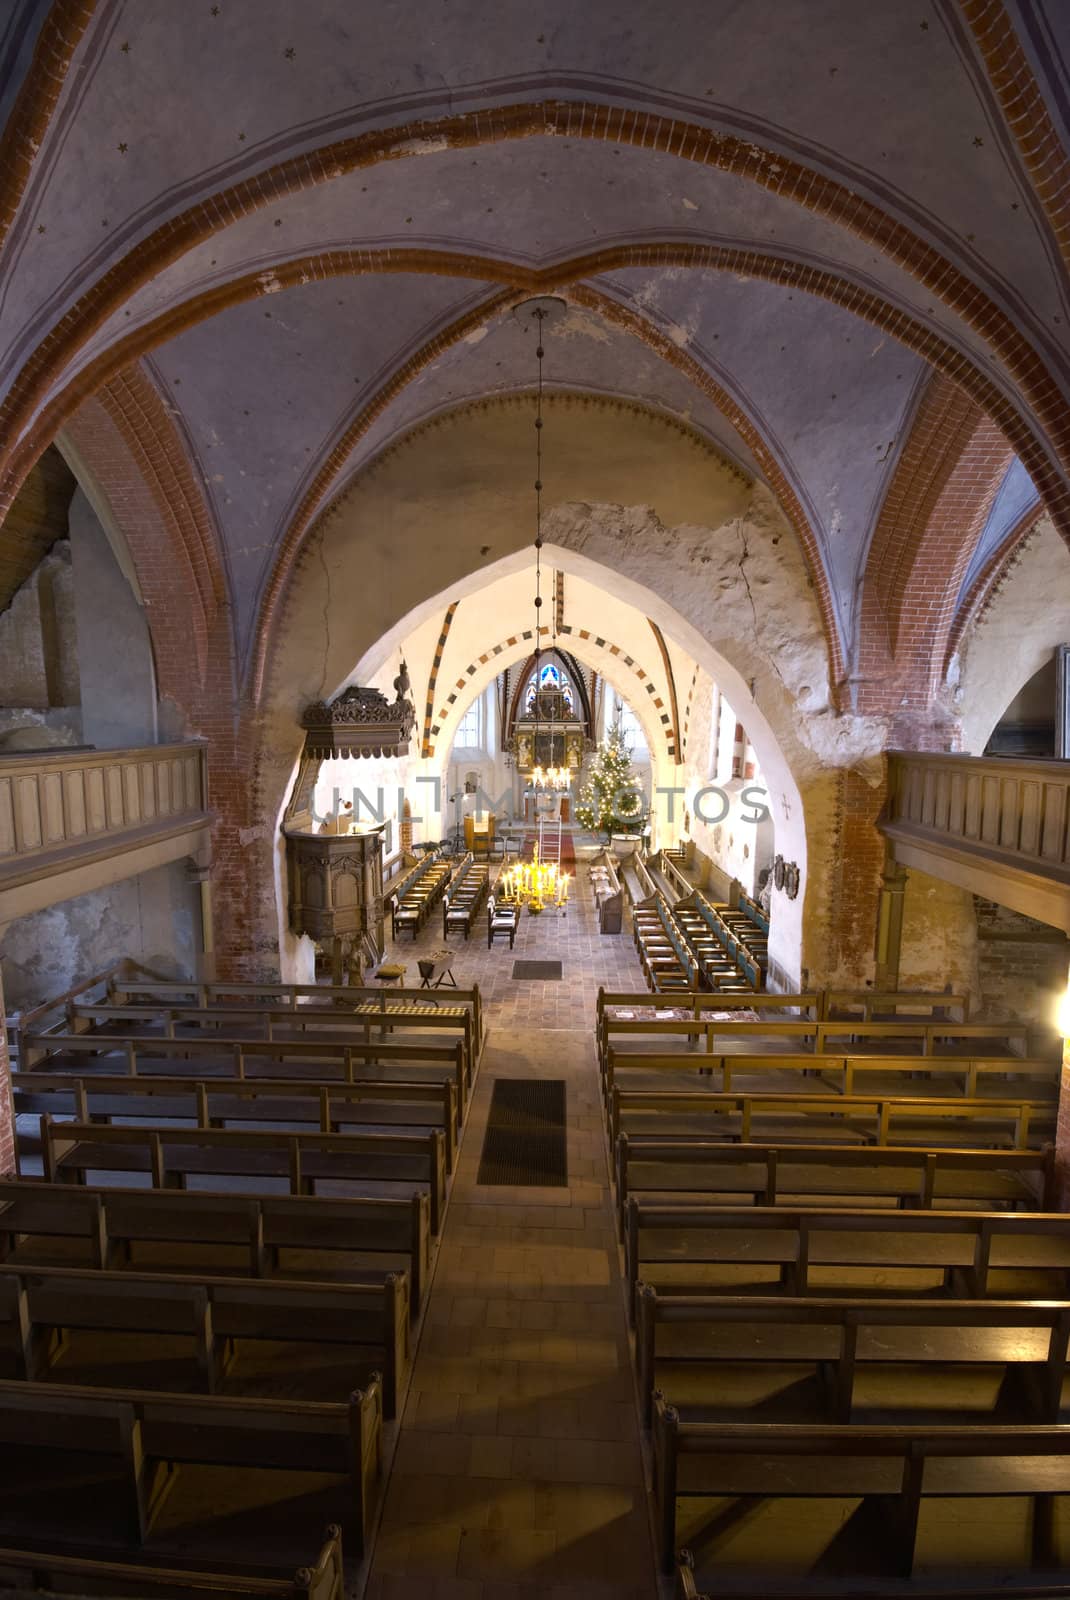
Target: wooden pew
x=298 y=997
x=104 y=1225
x=663 y=1114
x=896 y=1176
x=224 y=1025
x=708 y=1249
x=213 y=1102
x=72 y=1149
x=141 y=1445
x=684 y=1343
x=608 y=892
x=81 y=1054
x=31 y=1570
x=824 y=1038
x=411 y=906
x=371 y=1320
x=49 y=1224
x=896 y=1468
x=846 y=1075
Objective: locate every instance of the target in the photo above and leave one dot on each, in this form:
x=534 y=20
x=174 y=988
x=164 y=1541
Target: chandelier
x=534 y=883
x=549 y=778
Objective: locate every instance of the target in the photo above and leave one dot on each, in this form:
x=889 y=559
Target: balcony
x=76 y=820
x=998 y=828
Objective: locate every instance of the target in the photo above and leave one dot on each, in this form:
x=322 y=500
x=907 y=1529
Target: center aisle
x=518 y=1468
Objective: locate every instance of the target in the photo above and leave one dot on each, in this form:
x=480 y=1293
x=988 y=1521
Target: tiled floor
x=518 y=1469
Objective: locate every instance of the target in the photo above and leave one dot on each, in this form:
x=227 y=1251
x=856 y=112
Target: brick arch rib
x=769 y=169
x=1025 y=112
x=934 y=510
x=61 y=33
x=427 y=747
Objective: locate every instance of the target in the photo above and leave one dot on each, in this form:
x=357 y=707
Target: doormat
x=524 y=1145
x=537 y=969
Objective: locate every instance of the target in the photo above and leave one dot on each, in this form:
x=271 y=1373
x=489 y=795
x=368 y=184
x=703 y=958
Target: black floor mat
x=537 y=969
x=524 y=1144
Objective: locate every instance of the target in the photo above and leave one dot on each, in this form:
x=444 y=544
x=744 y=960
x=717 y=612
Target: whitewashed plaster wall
x=1026 y=617
x=643 y=511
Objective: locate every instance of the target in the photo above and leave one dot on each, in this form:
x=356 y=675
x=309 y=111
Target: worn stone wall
x=153 y=918
x=939 y=945
x=39 y=680
x=115 y=665
x=1022 y=964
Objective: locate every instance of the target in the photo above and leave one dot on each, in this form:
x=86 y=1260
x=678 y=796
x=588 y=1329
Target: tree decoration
x=610 y=801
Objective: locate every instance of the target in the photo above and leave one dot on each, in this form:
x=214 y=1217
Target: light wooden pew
x=895 y=1176
x=371 y=1320
x=140 y=1445
x=299 y=997
x=213 y=1102
x=853 y=1037
x=416 y=1025
x=70 y=1150
x=265 y=1234
x=82 y=1575
x=861 y=1119
x=897 y=1468
x=81 y=1053
x=847 y=1075
x=709 y=1249
x=686 y=1343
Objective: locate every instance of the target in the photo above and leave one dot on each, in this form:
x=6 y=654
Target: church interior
x=535 y=799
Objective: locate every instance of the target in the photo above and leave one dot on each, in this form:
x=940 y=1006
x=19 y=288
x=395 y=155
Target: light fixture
x=541 y=310
x=1062 y=1014
x=536 y=884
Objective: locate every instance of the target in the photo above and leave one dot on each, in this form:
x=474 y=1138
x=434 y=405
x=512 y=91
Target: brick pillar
x=7 y=1114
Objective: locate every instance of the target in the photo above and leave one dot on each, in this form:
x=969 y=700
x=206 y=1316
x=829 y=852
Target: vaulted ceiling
x=780 y=220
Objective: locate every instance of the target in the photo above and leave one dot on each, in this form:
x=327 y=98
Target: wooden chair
x=502 y=921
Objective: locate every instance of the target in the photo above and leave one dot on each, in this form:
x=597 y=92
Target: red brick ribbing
x=934 y=510
x=774 y=269
x=136 y=406
x=24 y=133
x=670 y=679
x=770 y=170
x=134 y=463
x=1025 y=112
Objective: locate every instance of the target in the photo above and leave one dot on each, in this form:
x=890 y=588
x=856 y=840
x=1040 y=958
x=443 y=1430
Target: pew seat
x=786 y=1359
x=34 y=1570
x=107 y=1470
x=291 y=1236
x=197 y=1330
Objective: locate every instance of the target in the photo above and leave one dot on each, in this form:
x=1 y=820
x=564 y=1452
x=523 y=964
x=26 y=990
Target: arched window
x=550 y=680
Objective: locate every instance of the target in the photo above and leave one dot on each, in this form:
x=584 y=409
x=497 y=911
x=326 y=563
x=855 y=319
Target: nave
x=771 y=1235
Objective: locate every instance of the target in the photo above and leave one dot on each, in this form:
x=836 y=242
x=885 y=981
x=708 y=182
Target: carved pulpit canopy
x=360 y=722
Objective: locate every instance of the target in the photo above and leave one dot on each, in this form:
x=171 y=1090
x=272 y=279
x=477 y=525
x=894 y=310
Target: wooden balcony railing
x=1000 y=828
x=71 y=820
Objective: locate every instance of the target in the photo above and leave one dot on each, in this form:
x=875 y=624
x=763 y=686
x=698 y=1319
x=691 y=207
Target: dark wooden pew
x=90 y=1054
x=31 y=1570
x=263 y=1234
x=684 y=1341
x=73 y=1149
x=213 y=1102
x=896 y=1176
x=140 y=1446
x=879 y=1120
x=370 y=1320
x=709 y=1249
x=893 y=1468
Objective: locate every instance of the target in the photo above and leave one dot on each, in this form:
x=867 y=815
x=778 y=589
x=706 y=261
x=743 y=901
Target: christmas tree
x=609 y=801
